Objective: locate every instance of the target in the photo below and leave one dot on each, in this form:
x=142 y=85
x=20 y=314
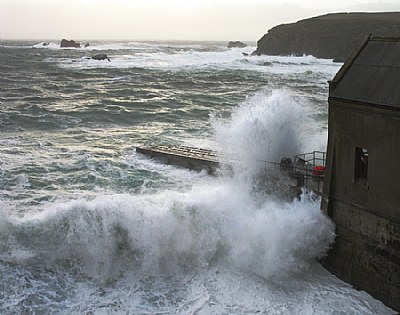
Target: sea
x=90 y=226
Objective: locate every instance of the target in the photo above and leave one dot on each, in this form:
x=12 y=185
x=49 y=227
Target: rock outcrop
x=331 y=36
x=100 y=57
x=236 y=44
x=69 y=44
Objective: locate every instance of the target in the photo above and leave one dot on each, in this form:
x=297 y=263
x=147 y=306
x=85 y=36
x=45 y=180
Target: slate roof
x=372 y=75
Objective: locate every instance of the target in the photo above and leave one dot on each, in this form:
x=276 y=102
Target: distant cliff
x=331 y=36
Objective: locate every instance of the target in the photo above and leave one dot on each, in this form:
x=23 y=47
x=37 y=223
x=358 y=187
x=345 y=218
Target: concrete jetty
x=188 y=157
x=300 y=172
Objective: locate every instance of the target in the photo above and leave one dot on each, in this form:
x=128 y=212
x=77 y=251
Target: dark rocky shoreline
x=331 y=36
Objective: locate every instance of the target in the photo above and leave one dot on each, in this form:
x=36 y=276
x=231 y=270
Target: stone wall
x=367 y=215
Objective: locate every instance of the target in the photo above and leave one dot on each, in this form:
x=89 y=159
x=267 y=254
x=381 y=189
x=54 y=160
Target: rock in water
x=331 y=36
x=69 y=43
x=236 y=44
x=101 y=57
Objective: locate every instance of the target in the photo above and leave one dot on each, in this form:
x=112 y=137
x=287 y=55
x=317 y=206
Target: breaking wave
x=218 y=221
x=170 y=232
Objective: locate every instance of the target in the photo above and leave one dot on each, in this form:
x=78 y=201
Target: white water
x=189 y=59
x=210 y=246
x=169 y=56
x=215 y=248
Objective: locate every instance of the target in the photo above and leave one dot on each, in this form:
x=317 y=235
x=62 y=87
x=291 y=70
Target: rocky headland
x=332 y=36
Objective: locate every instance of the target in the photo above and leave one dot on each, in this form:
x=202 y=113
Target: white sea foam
x=184 y=243
x=125 y=45
x=201 y=59
x=157 y=55
x=267 y=127
x=212 y=248
x=218 y=220
x=172 y=231
x=161 y=56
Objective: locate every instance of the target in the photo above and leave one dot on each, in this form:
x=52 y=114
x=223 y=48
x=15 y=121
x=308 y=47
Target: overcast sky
x=164 y=19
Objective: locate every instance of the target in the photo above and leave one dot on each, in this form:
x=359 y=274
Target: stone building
x=362 y=179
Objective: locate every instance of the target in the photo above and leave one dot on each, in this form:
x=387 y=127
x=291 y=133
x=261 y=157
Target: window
x=361 y=165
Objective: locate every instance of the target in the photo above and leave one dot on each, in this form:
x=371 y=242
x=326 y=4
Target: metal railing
x=314 y=158
x=307 y=168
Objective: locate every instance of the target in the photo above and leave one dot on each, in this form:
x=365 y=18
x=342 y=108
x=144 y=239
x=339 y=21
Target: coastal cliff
x=331 y=36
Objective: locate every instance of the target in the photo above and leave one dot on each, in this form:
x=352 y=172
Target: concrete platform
x=298 y=175
x=188 y=157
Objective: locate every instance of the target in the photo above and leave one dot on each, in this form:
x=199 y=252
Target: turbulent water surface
x=88 y=226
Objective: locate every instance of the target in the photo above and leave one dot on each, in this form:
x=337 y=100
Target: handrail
x=313 y=157
x=304 y=167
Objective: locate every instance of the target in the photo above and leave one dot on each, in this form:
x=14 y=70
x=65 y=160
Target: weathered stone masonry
x=362 y=181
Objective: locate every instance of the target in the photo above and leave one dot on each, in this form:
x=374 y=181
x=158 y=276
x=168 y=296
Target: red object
x=318 y=170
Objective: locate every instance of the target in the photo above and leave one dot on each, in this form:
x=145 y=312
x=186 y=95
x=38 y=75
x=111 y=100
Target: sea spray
x=217 y=221
x=266 y=127
x=102 y=230
x=172 y=232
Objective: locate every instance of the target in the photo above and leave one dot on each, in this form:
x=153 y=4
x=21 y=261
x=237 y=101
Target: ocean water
x=89 y=226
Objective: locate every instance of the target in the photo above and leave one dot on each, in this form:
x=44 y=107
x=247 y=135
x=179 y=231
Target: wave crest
x=170 y=232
